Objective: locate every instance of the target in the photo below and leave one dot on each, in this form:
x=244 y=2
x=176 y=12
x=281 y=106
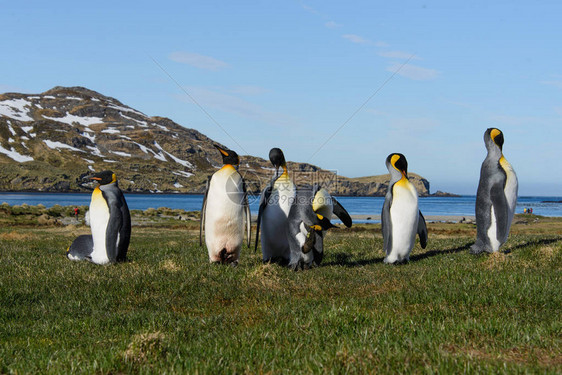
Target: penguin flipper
x=114 y=225
x=81 y=248
x=263 y=205
x=318 y=249
x=124 y=232
x=386 y=223
x=295 y=248
x=248 y=215
x=202 y=219
x=422 y=231
x=341 y=213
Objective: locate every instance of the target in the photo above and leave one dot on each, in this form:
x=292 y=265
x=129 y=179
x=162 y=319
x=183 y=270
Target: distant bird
x=309 y=217
x=110 y=222
x=275 y=204
x=496 y=197
x=401 y=217
x=224 y=207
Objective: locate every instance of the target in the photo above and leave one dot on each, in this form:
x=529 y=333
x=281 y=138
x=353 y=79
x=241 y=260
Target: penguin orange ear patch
x=494 y=133
x=394 y=159
x=223 y=152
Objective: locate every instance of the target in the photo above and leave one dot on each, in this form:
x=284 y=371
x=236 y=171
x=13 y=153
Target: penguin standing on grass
x=110 y=222
x=224 y=206
x=275 y=204
x=401 y=219
x=309 y=218
x=496 y=197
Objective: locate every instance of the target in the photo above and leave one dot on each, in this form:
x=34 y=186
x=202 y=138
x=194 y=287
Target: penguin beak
x=222 y=151
x=91 y=177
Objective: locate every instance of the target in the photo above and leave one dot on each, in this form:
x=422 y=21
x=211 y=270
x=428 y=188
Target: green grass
x=169 y=311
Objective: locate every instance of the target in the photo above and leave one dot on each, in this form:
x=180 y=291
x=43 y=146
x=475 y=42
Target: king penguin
x=275 y=204
x=309 y=218
x=110 y=222
x=401 y=217
x=224 y=207
x=496 y=197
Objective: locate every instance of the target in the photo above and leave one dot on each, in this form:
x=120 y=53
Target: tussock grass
x=168 y=310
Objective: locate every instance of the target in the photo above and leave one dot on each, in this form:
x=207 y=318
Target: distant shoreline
x=448 y=195
x=256 y=195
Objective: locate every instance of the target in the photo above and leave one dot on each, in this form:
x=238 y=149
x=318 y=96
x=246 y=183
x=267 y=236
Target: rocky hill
x=50 y=141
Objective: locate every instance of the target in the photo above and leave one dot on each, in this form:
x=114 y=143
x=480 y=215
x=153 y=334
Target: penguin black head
x=399 y=162
x=495 y=135
x=228 y=156
x=277 y=158
x=324 y=223
x=104 y=178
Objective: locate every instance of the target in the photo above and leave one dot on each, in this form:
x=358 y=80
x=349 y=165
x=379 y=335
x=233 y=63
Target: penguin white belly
x=493 y=231
x=274 y=224
x=510 y=190
x=99 y=218
x=224 y=214
x=404 y=214
x=301 y=236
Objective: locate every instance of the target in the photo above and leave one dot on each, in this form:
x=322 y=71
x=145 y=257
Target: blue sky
x=289 y=74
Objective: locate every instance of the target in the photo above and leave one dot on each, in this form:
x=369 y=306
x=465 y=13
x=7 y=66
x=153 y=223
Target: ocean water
x=455 y=206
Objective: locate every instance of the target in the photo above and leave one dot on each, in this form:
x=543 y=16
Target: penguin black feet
x=477 y=249
x=396 y=261
x=301 y=265
x=224 y=257
x=277 y=260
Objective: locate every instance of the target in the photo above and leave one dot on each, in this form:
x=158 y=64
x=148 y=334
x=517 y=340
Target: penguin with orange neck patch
x=275 y=203
x=225 y=209
x=110 y=222
x=496 y=197
x=309 y=219
x=401 y=218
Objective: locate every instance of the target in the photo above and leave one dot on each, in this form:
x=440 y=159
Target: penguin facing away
x=225 y=208
x=110 y=222
x=309 y=218
x=275 y=204
x=496 y=197
x=401 y=218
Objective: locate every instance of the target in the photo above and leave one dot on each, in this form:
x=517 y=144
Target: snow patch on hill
x=71 y=119
x=121 y=153
x=15 y=155
x=16 y=109
x=58 y=145
x=182 y=173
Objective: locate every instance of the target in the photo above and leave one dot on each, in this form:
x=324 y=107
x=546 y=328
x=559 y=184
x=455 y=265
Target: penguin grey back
x=118 y=233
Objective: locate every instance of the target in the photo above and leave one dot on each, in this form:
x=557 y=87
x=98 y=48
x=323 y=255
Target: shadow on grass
x=543 y=241
x=343 y=259
x=432 y=253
